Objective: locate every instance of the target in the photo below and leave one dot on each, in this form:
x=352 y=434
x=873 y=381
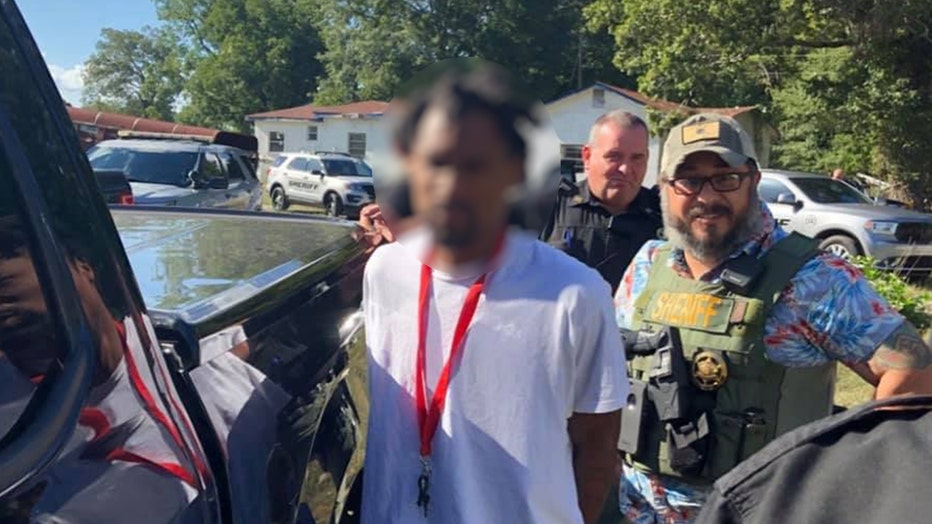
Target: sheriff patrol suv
x=342 y=184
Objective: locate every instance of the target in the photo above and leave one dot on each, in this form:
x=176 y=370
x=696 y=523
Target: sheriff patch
x=690 y=311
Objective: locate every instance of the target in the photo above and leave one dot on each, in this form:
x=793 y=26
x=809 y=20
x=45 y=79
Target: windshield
x=828 y=191
x=346 y=168
x=153 y=167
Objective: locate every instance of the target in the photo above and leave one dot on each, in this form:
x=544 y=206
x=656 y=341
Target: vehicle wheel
x=279 y=199
x=841 y=246
x=334 y=205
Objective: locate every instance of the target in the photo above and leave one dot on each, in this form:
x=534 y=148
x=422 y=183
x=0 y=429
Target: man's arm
x=596 y=464
x=902 y=364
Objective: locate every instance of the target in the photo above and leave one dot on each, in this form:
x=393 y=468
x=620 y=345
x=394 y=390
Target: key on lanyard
x=423 y=486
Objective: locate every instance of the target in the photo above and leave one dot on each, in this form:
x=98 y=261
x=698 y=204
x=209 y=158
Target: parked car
x=165 y=365
x=114 y=186
x=848 y=222
x=172 y=170
x=342 y=184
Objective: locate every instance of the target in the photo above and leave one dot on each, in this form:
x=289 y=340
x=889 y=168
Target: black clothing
x=581 y=227
x=862 y=465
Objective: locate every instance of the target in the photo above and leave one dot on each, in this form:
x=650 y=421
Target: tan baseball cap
x=711 y=132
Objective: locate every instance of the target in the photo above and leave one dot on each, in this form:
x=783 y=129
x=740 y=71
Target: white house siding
x=572 y=118
x=332 y=134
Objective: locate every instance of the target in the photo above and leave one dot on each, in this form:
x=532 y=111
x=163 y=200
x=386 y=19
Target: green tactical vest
x=710 y=317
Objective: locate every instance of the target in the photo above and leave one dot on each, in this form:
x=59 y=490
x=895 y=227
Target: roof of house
x=665 y=105
x=311 y=112
x=377 y=107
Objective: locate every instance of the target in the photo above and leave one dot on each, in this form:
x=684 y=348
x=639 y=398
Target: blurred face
x=460 y=170
x=616 y=162
x=711 y=221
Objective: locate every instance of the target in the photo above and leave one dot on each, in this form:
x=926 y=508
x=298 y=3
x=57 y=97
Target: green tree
x=372 y=46
x=248 y=56
x=849 y=82
x=135 y=72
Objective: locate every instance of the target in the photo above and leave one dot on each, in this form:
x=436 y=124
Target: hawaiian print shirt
x=827 y=312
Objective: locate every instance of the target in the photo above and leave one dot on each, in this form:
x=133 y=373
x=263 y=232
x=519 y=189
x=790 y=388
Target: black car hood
x=196 y=266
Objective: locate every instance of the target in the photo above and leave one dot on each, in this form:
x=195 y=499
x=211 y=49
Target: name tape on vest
x=691 y=311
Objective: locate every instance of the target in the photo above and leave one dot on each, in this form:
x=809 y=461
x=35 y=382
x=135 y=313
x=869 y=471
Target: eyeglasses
x=693 y=185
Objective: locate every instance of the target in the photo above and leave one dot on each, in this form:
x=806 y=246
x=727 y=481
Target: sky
x=67 y=31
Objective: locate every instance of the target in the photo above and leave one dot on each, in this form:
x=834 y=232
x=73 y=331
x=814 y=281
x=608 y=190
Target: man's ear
x=586 y=155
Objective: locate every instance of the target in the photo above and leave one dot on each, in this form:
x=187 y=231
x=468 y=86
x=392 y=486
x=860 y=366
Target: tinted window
x=314 y=165
x=298 y=164
x=211 y=167
x=770 y=189
x=250 y=168
x=153 y=167
x=279 y=160
x=828 y=191
x=346 y=167
x=233 y=167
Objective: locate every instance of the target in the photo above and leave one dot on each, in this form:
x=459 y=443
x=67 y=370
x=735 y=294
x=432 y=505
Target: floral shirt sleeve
x=829 y=311
x=633 y=282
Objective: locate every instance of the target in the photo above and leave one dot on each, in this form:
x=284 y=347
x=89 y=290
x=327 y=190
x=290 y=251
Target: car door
x=296 y=179
x=252 y=186
x=239 y=188
x=779 y=198
x=316 y=180
x=216 y=190
x=92 y=428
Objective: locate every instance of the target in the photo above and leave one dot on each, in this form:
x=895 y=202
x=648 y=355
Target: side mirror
x=196 y=179
x=786 y=198
x=790 y=200
x=317 y=172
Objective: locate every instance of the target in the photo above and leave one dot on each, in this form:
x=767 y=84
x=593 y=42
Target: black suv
x=156 y=366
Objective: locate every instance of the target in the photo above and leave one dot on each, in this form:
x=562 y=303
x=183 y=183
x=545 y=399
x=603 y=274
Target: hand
x=372 y=222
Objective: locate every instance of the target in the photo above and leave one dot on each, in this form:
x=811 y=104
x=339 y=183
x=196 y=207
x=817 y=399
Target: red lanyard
x=428 y=419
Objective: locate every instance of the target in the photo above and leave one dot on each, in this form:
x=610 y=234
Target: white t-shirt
x=543 y=345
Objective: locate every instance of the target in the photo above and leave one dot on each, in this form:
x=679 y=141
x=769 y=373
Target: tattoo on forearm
x=904 y=349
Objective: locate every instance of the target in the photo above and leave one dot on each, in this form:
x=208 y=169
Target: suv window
x=279 y=160
x=337 y=167
x=211 y=167
x=298 y=164
x=314 y=165
x=828 y=191
x=770 y=189
x=250 y=168
x=148 y=166
x=233 y=167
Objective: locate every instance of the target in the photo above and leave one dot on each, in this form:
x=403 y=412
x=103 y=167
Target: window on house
x=571 y=151
x=598 y=98
x=312 y=133
x=357 y=145
x=276 y=142
x=571 y=159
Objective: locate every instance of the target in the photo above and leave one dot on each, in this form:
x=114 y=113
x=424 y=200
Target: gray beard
x=712 y=250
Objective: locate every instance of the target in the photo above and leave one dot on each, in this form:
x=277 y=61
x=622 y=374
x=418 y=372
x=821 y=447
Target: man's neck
x=447 y=258
x=614 y=209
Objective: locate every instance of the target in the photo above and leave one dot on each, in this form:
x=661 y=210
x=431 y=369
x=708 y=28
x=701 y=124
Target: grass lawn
x=267 y=206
